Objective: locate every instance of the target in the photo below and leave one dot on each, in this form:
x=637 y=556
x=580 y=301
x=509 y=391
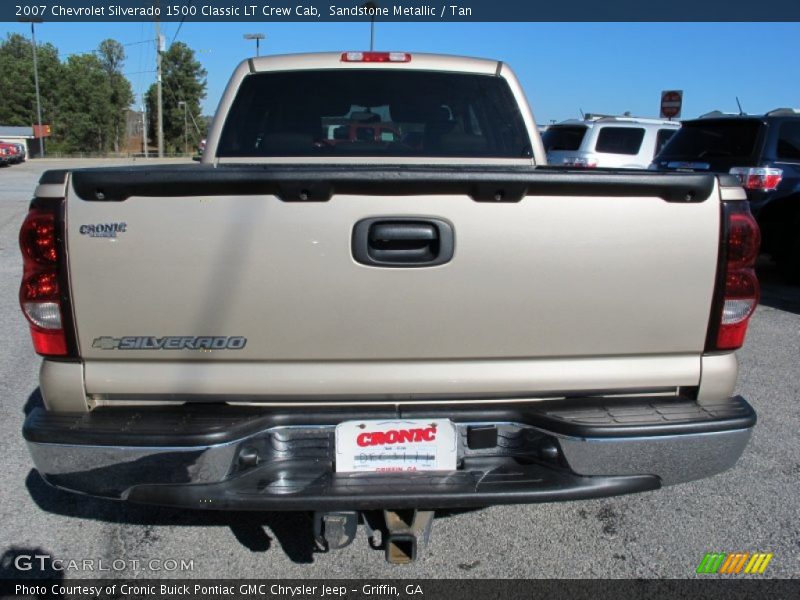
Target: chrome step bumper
x=232 y=458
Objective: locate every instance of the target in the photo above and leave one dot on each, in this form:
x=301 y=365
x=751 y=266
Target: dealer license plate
x=403 y=445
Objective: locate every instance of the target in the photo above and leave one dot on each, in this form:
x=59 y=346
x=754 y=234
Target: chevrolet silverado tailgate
x=246 y=281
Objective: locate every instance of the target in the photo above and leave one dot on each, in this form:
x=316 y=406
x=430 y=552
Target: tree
x=184 y=80
x=84 y=99
x=112 y=57
x=86 y=116
x=16 y=81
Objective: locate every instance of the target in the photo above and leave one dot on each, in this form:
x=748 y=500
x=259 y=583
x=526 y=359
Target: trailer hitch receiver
x=404 y=530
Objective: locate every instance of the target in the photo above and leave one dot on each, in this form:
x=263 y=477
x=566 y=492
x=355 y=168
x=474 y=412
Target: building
x=134 y=138
x=19 y=135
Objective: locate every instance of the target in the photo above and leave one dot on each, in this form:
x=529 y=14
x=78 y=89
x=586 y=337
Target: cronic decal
x=104 y=230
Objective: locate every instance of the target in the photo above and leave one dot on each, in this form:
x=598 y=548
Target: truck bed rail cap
x=318 y=183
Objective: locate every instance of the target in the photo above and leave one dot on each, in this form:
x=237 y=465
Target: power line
x=142 y=50
x=94 y=50
x=140 y=42
x=175 y=98
x=177 y=31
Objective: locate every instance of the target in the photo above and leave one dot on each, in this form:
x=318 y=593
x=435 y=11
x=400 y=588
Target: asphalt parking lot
x=666 y=533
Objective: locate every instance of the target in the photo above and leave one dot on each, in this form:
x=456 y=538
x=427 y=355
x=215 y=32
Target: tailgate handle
x=402 y=242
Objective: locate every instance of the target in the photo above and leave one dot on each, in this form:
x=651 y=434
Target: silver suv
x=603 y=141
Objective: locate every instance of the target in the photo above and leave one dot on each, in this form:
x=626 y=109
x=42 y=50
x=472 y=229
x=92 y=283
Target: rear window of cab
x=374 y=112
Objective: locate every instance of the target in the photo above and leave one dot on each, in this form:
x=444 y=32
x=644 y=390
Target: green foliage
x=184 y=80
x=86 y=117
x=16 y=81
x=112 y=57
x=85 y=99
x=94 y=97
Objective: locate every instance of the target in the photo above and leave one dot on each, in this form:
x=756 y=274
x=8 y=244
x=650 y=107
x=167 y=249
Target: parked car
x=19 y=153
x=23 y=152
x=395 y=327
x=605 y=141
x=763 y=151
x=9 y=154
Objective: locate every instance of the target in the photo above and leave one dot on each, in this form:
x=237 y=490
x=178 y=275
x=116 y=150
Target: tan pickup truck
x=428 y=319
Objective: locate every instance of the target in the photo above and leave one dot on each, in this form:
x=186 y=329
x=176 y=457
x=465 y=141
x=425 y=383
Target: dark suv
x=764 y=152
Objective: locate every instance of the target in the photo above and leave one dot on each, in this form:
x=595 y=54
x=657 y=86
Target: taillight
x=737 y=291
x=376 y=57
x=40 y=294
x=758 y=178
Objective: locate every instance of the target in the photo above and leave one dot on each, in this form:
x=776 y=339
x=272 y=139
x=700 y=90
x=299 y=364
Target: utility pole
x=36 y=84
x=372 y=34
x=257 y=37
x=371 y=6
x=159 y=99
x=185 y=128
x=144 y=126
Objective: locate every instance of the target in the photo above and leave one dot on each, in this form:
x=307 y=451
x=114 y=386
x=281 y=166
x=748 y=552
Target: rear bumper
x=203 y=456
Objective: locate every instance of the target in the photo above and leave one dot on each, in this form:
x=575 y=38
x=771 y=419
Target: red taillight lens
x=758 y=178
x=37 y=238
x=49 y=343
x=378 y=57
x=40 y=294
x=744 y=240
x=740 y=290
x=41 y=286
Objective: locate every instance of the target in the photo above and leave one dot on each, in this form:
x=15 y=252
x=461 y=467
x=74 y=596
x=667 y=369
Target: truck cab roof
x=373 y=60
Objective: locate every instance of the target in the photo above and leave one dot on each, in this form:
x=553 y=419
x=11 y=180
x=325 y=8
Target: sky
x=564 y=67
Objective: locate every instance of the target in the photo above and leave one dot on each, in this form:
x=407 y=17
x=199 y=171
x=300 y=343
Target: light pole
x=257 y=37
x=185 y=128
x=32 y=21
